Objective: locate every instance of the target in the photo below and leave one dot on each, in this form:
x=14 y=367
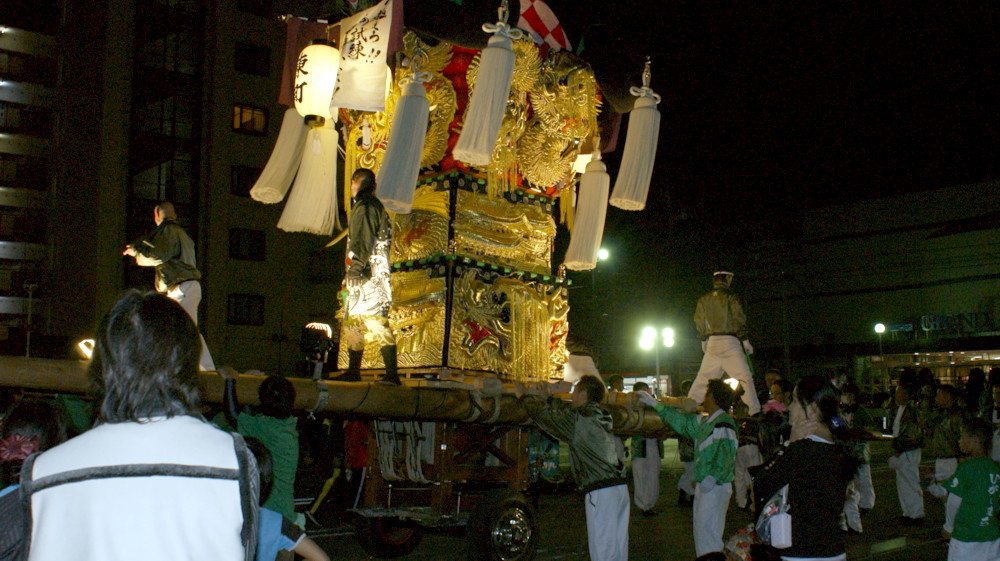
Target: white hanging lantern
x=484 y=114
x=315 y=78
x=636 y=170
x=312 y=205
x=274 y=181
x=591 y=209
x=397 y=178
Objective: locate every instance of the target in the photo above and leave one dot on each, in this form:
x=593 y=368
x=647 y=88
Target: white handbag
x=775 y=523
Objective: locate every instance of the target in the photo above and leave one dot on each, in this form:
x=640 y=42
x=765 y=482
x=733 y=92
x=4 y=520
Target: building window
x=242 y=178
x=245 y=309
x=252 y=59
x=249 y=119
x=246 y=244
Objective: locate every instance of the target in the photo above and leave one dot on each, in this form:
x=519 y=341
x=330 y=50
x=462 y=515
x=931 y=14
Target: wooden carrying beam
x=369 y=399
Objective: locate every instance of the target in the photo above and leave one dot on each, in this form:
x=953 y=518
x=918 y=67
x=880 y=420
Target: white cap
x=722 y=273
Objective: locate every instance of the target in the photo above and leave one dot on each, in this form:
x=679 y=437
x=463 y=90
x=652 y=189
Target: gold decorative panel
x=519 y=236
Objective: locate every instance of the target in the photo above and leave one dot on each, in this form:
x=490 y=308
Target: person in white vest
x=152 y=480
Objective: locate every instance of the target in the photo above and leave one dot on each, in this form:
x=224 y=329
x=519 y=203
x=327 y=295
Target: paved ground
x=668 y=535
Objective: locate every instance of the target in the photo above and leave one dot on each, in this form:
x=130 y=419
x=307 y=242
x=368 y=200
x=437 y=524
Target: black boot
x=391 y=372
x=353 y=373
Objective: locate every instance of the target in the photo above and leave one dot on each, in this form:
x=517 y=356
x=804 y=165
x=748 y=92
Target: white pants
x=724 y=354
x=710 y=505
x=686 y=481
x=973 y=551
x=911 y=498
x=646 y=476
x=944 y=469
x=851 y=514
x=188 y=295
x=746 y=457
x=607 y=523
x=863 y=479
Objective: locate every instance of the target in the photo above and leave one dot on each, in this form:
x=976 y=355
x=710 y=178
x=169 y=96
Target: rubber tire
x=385 y=537
x=503 y=527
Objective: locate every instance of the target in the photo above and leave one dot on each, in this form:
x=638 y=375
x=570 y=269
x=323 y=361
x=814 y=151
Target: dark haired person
x=860 y=491
x=152 y=480
x=647 y=455
x=366 y=310
x=944 y=430
x=715 y=440
x=170 y=251
x=974 y=499
x=907 y=438
x=722 y=327
x=273 y=424
x=586 y=426
x=31 y=426
x=276 y=532
x=816 y=496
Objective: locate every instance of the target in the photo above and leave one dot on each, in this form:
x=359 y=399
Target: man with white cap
x=722 y=327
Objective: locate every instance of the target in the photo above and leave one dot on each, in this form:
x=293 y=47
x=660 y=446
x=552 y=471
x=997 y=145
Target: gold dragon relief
x=506 y=326
x=565 y=104
x=519 y=236
x=424 y=231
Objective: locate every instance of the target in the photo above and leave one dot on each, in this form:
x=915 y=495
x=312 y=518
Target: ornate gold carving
x=417 y=318
x=507 y=326
x=514 y=235
x=424 y=231
x=565 y=106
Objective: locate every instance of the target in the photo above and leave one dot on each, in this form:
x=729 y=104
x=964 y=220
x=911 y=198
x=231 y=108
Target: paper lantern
x=636 y=170
x=315 y=78
x=591 y=209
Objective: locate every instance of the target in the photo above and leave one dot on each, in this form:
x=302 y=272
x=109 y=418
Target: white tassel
x=484 y=115
x=397 y=178
x=312 y=206
x=636 y=170
x=274 y=181
x=591 y=209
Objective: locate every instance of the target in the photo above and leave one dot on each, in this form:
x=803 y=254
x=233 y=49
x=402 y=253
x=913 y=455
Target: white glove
x=747 y=347
x=646 y=398
x=704 y=346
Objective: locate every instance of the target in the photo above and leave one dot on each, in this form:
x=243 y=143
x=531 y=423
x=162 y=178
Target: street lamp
x=879 y=329
x=652 y=339
x=602 y=254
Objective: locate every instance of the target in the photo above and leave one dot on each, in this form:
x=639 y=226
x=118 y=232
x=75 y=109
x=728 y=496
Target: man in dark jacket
x=599 y=475
x=367 y=279
x=170 y=250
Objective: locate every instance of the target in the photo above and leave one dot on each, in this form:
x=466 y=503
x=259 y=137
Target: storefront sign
x=965 y=323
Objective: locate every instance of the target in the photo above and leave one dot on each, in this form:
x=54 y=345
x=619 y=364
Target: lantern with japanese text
x=315 y=78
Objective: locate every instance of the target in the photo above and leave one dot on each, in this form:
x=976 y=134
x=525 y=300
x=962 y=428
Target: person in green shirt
x=273 y=424
x=974 y=499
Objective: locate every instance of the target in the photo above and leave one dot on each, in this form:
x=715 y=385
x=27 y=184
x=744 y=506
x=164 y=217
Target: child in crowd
x=275 y=532
x=944 y=429
x=974 y=499
x=31 y=426
x=714 y=436
x=646 y=456
x=907 y=438
x=275 y=426
x=600 y=476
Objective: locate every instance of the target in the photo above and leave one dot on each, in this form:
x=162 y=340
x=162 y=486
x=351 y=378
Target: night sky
x=769 y=111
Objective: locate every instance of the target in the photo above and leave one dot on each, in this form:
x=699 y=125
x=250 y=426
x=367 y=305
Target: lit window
x=249 y=119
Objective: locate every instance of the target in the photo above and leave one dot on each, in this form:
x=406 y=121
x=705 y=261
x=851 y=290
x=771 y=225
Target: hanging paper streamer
x=397 y=178
x=636 y=170
x=591 y=209
x=484 y=115
x=312 y=205
x=274 y=181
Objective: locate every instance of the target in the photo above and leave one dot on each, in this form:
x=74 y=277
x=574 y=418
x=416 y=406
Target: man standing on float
x=367 y=279
x=722 y=327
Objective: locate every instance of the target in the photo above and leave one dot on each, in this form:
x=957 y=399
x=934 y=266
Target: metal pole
x=656 y=351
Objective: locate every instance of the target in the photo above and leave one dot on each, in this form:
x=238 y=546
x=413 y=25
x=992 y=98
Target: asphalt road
x=668 y=535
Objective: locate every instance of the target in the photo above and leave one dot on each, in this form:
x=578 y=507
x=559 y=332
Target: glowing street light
x=602 y=254
x=879 y=330
x=653 y=340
